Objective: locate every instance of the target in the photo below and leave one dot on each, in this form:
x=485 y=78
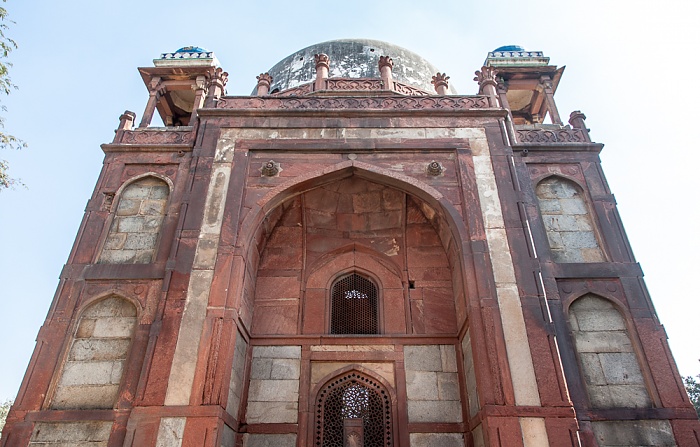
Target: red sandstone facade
x=197 y=306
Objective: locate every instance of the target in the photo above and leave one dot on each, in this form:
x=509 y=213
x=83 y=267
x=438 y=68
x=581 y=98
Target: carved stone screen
x=342 y=403
x=354 y=306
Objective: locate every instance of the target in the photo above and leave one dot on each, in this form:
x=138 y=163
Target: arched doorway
x=353 y=410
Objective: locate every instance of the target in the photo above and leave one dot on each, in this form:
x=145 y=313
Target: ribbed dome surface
x=353 y=58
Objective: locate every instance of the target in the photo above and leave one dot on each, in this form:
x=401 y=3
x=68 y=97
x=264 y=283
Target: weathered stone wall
x=273 y=394
x=71 y=434
x=567 y=221
x=470 y=374
x=432 y=385
x=92 y=372
x=134 y=232
x=609 y=364
x=269 y=440
x=437 y=439
x=634 y=433
x=237 y=377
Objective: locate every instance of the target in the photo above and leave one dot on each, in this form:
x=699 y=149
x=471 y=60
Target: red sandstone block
x=383 y=220
x=285 y=237
x=414 y=215
x=421 y=235
x=314 y=311
x=352 y=222
x=321 y=199
x=687 y=432
x=353 y=185
x=417 y=317
x=281 y=258
x=322 y=219
x=369 y=202
x=268 y=287
x=279 y=319
x=320 y=243
x=429 y=274
x=423 y=257
x=394 y=311
x=392 y=199
x=439 y=311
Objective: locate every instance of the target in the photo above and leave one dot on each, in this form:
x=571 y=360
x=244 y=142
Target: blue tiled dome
x=191 y=49
x=510 y=48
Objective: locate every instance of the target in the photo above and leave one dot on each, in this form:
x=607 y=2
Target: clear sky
x=630 y=68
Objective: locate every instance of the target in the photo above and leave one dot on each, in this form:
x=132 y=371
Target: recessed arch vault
x=391 y=221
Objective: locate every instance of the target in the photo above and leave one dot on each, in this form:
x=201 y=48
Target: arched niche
x=91 y=374
x=609 y=363
x=136 y=222
x=567 y=219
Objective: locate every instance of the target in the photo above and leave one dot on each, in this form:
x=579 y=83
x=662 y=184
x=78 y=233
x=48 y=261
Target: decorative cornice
x=540 y=136
x=156 y=136
x=447 y=103
x=350 y=84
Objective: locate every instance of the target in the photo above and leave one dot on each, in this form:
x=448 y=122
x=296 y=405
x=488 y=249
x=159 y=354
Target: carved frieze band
x=392 y=103
x=353 y=84
x=535 y=136
x=296 y=91
x=408 y=90
x=156 y=137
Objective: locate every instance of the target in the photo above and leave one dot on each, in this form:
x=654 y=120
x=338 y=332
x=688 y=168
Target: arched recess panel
x=93 y=369
x=567 y=220
x=137 y=221
x=353 y=409
x=387 y=225
x=608 y=361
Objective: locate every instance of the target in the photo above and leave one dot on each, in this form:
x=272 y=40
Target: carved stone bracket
x=546 y=83
x=107 y=201
x=270 y=169
x=435 y=168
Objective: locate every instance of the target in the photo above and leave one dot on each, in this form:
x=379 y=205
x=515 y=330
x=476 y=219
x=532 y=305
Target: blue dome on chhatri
x=191 y=49
x=510 y=48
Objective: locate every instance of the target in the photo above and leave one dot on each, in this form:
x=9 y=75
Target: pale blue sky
x=629 y=68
